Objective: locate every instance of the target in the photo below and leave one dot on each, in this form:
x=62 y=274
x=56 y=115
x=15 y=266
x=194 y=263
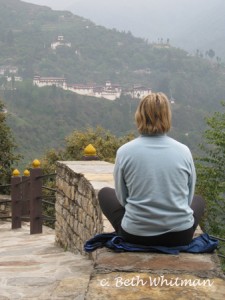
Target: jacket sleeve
x=120 y=184
x=192 y=181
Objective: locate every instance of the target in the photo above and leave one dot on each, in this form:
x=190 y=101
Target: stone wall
x=78 y=215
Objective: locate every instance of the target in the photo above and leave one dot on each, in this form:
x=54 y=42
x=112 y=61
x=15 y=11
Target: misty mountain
x=194 y=83
x=189 y=24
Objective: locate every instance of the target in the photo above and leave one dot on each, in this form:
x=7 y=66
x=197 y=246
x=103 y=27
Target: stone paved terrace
x=33 y=267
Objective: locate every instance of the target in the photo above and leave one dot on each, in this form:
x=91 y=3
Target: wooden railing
x=27 y=198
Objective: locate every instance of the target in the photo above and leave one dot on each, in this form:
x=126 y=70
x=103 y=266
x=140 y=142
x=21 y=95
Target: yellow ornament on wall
x=36 y=163
x=90 y=150
x=26 y=173
x=16 y=173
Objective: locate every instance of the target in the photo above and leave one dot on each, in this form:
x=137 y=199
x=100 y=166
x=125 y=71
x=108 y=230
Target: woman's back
x=155 y=179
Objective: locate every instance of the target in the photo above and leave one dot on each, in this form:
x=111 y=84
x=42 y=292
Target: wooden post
x=16 y=199
x=35 y=198
x=26 y=195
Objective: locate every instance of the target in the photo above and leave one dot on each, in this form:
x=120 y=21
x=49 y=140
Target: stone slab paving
x=148 y=286
x=151 y=276
x=199 y=264
x=33 y=267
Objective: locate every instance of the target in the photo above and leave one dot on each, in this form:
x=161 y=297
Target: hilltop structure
x=49 y=81
x=60 y=43
x=108 y=91
x=4 y=70
x=138 y=91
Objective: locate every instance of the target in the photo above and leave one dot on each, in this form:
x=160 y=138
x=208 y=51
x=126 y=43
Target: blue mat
x=201 y=244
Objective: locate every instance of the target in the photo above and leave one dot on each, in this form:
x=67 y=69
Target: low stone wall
x=78 y=215
x=5 y=206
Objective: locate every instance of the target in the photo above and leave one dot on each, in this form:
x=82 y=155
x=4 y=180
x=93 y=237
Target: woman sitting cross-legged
x=153 y=202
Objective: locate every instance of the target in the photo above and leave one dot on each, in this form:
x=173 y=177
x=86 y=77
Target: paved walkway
x=32 y=267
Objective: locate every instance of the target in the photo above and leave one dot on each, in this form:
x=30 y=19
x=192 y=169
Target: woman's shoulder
x=129 y=145
x=177 y=143
x=180 y=148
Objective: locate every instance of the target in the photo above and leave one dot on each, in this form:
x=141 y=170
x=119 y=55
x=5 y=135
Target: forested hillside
x=189 y=24
x=41 y=117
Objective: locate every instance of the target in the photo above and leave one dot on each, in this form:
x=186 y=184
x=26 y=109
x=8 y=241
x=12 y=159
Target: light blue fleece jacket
x=155 y=181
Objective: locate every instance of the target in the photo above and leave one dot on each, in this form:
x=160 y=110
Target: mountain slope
x=189 y=24
x=41 y=118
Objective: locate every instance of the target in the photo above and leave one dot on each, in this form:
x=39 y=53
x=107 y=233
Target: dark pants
x=114 y=212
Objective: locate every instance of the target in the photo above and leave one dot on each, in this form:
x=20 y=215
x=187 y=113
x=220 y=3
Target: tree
x=211 y=53
x=7 y=148
x=105 y=143
x=211 y=173
x=10 y=38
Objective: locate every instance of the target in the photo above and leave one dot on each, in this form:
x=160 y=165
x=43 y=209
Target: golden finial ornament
x=26 y=173
x=16 y=173
x=90 y=150
x=36 y=163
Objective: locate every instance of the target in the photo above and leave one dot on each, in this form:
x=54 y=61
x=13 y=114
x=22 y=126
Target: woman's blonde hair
x=153 y=114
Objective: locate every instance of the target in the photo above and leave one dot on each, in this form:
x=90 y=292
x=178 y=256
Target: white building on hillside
x=109 y=91
x=60 y=43
x=49 y=81
x=81 y=89
x=138 y=92
x=16 y=78
x=8 y=70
